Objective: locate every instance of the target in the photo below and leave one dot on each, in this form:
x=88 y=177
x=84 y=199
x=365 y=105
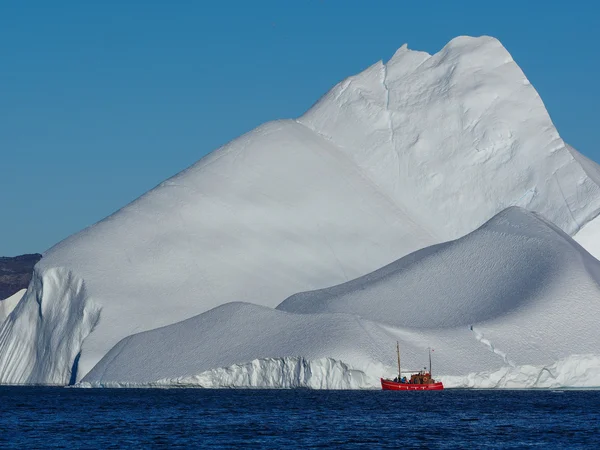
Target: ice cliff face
x=405 y=155
x=520 y=298
x=42 y=336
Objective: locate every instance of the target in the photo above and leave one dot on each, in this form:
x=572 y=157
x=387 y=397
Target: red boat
x=420 y=381
x=390 y=385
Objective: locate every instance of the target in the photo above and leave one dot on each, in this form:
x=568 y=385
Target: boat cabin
x=416 y=378
x=421 y=378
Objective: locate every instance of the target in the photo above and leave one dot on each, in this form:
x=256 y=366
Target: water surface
x=184 y=418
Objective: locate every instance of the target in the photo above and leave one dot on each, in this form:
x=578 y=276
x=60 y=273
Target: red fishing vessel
x=420 y=381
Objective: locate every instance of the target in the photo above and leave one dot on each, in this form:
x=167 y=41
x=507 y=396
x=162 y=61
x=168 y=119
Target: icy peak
x=441 y=126
x=482 y=48
x=521 y=219
x=469 y=43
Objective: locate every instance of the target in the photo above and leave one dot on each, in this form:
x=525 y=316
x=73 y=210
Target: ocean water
x=190 y=418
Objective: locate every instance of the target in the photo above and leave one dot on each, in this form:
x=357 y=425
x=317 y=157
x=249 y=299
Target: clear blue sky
x=100 y=102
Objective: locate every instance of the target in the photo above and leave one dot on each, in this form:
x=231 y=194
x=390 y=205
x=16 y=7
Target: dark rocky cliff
x=15 y=273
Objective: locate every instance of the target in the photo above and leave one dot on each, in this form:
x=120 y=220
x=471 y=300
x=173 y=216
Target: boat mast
x=429 y=361
x=398 y=352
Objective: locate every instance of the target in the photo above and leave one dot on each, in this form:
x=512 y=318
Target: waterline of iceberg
x=576 y=372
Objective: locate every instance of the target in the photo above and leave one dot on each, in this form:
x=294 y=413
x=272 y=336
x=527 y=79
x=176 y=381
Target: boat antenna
x=398 y=352
x=429 y=361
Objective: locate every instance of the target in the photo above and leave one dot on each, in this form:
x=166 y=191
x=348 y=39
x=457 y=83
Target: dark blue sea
x=192 y=418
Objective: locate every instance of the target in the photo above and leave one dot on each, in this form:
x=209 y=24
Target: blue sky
x=101 y=102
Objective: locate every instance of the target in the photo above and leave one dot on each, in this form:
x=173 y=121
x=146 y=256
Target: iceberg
x=406 y=155
x=507 y=306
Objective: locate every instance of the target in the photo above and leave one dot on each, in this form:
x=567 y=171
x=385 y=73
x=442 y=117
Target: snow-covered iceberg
x=290 y=350
x=505 y=306
x=405 y=155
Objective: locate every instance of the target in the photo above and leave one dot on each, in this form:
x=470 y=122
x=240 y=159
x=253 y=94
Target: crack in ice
x=387 y=107
x=481 y=338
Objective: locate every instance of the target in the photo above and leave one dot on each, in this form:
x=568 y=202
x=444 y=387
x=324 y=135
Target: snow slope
x=404 y=155
x=238 y=333
x=520 y=282
x=519 y=300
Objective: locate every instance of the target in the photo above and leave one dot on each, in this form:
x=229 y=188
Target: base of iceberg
x=577 y=371
x=268 y=373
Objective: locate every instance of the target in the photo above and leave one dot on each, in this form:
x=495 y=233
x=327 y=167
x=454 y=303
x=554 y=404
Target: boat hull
x=389 y=385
